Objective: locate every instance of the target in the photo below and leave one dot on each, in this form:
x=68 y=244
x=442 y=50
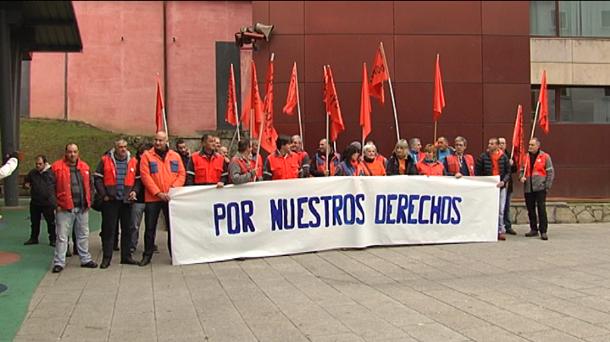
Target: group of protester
x=126 y=188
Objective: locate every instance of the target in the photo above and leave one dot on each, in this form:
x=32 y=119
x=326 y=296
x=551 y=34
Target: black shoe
x=90 y=264
x=543 y=236
x=116 y=248
x=145 y=260
x=31 y=242
x=75 y=251
x=129 y=261
x=155 y=249
x=52 y=243
x=105 y=263
x=531 y=233
x=510 y=231
x=57 y=269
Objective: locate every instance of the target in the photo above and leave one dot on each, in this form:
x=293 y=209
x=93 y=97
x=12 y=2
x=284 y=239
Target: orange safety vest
x=259 y=170
x=159 y=175
x=434 y=169
x=539 y=165
x=207 y=170
x=63 y=189
x=110 y=172
x=321 y=163
x=453 y=164
x=283 y=167
x=375 y=168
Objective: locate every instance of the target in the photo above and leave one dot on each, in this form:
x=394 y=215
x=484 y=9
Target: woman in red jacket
x=429 y=166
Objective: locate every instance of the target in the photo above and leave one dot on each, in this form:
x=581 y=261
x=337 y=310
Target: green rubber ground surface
x=22 y=278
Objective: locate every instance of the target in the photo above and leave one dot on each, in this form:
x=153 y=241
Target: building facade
x=491 y=57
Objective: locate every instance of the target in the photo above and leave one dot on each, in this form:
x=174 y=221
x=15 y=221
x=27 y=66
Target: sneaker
x=501 y=237
x=90 y=264
x=57 y=269
x=531 y=233
x=543 y=236
x=510 y=231
x=31 y=242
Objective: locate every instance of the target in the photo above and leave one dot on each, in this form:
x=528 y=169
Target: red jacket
x=282 y=167
x=432 y=169
x=259 y=168
x=453 y=164
x=206 y=170
x=159 y=175
x=105 y=181
x=375 y=168
x=63 y=189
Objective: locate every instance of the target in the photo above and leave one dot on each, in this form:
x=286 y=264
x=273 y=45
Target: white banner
x=313 y=214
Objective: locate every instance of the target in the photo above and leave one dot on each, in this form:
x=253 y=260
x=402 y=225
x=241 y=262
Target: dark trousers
x=507 y=223
x=36 y=213
x=151 y=216
x=114 y=212
x=536 y=201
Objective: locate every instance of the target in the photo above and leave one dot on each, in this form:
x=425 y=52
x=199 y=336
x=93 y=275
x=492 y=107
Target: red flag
x=332 y=105
x=378 y=75
x=269 y=135
x=365 y=105
x=438 y=102
x=544 y=105
x=518 y=147
x=253 y=102
x=160 y=110
x=231 y=114
x=292 y=98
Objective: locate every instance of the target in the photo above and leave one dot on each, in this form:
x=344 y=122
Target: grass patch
x=49 y=137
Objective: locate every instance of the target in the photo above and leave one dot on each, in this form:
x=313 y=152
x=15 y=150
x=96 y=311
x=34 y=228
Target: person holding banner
x=319 y=166
x=282 y=164
x=508 y=225
x=537 y=176
x=443 y=149
x=207 y=167
x=459 y=164
x=241 y=170
x=430 y=166
x=494 y=162
x=160 y=170
x=401 y=162
x=415 y=149
x=296 y=146
x=372 y=163
x=378 y=156
x=350 y=166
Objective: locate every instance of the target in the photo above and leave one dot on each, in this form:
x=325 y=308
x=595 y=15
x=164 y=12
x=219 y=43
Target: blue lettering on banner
x=359 y=200
x=420 y=218
x=401 y=209
x=412 y=199
x=300 y=202
x=456 y=210
x=314 y=212
x=379 y=209
x=233 y=217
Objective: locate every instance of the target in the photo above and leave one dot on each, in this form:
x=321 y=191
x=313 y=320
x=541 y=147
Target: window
x=576 y=18
x=577 y=104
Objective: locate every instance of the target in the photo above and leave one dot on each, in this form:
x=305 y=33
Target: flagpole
x=535 y=120
x=327 y=136
x=233 y=140
x=299 y=105
x=435 y=124
x=512 y=150
x=260 y=131
x=385 y=64
x=235 y=103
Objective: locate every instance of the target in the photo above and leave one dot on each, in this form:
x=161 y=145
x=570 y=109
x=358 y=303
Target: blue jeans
x=501 y=228
x=65 y=221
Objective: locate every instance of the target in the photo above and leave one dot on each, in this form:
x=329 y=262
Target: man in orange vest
x=281 y=164
x=160 y=170
x=73 y=185
x=459 y=164
x=114 y=180
x=241 y=170
x=296 y=146
x=537 y=174
x=319 y=166
x=207 y=167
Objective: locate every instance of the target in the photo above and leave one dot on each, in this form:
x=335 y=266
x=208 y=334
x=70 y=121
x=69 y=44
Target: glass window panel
x=595 y=18
x=551 y=96
x=585 y=105
x=542 y=18
x=569 y=18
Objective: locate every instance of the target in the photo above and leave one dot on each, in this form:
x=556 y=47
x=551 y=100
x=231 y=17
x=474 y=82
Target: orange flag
x=269 y=135
x=291 y=98
x=518 y=147
x=365 y=105
x=231 y=114
x=253 y=102
x=439 y=95
x=544 y=105
x=332 y=105
x=379 y=74
x=160 y=110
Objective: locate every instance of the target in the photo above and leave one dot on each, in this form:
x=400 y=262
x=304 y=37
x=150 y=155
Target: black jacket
x=483 y=166
x=392 y=167
x=42 y=187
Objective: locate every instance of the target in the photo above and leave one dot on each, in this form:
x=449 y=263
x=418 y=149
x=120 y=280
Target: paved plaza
x=523 y=289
